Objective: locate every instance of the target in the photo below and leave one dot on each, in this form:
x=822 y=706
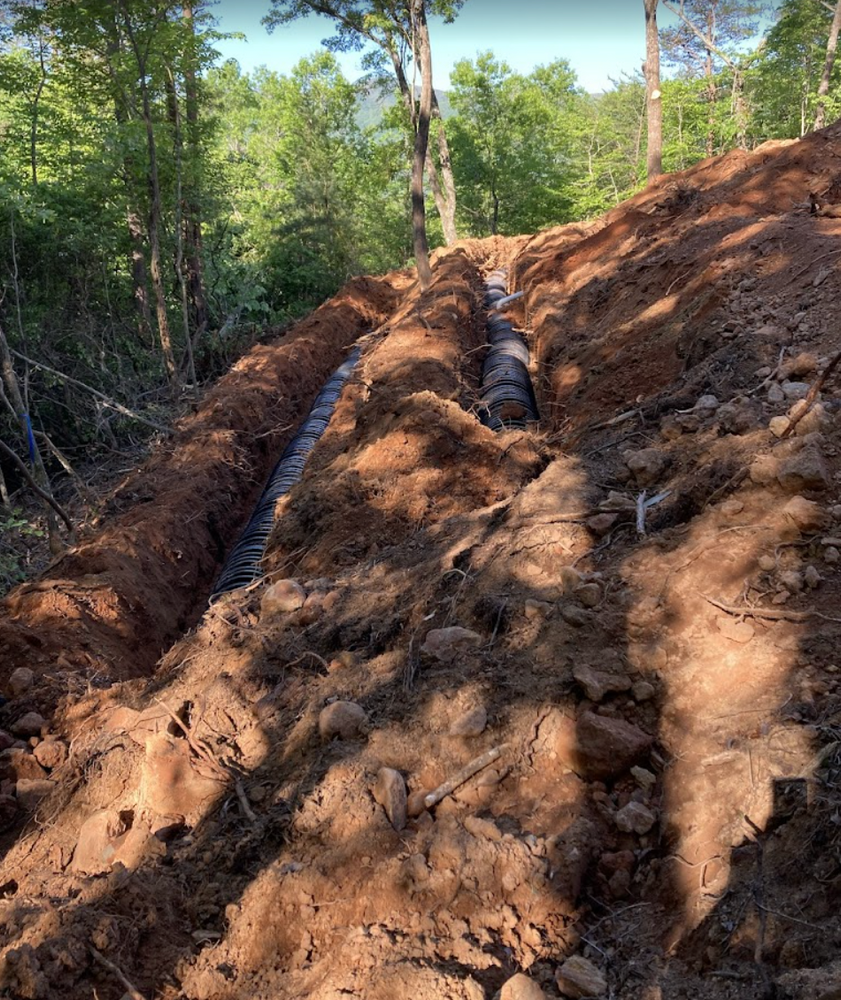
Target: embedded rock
x=342 y=720
x=578 y=978
x=446 y=644
x=282 y=597
x=607 y=747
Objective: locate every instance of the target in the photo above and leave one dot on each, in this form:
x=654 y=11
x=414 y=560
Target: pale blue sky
x=602 y=39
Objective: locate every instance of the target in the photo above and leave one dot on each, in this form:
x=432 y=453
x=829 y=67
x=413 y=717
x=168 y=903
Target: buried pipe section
x=507 y=399
x=244 y=563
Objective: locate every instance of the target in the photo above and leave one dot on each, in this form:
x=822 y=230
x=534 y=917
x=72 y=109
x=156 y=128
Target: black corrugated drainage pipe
x=244 y=562
x=507 y=393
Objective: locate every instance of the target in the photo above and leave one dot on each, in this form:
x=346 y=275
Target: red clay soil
x=112 y=604
x=653 y=691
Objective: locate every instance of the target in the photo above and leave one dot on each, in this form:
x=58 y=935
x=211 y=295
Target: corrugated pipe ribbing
x=244 y=563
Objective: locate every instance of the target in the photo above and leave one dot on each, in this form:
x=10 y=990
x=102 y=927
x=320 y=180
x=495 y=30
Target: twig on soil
x=459 y=778
x=500 y=613
x=812 y=395
x=315 y=656
x=244 y=805
x=770 y=613
x=811 y=264
x=130 y=988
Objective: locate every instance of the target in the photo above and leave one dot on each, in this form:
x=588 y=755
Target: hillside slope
x=627 y=614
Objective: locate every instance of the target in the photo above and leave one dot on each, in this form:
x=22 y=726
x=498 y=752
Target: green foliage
x=785 y=84
x=17 y=534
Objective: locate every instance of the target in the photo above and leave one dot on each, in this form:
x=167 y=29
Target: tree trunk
x=36 y=104
x=444 y=194
x=654 y=104
x=421 y=245
x=39 y=471
x=711 y=93
x=192 y=211
x=829 y=62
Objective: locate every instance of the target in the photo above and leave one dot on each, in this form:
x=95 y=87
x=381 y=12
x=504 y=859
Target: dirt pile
x=544 y=713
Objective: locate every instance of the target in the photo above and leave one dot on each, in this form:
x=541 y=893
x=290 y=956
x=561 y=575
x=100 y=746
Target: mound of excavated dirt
x=557 y=711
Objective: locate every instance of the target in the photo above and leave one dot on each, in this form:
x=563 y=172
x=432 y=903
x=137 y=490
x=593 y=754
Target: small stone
x=815 y=420
x=471 y=722
x=736 y=631
x=597 y=684
x=767 y=563
x=390 y=792
x=762 y=372
x=804 y=364
x=608 y=746
x=805 y=470
x=589 y=594
x=257 y=794
x=601 y=524
x=647 y=465
x=812 y=577
x=6 y=740
x=536 y=609
x=778 y=426
x=806 y=514
x=795 y=390
x=643 y=777
x=635 y=818
x=730 y=508
x=30 y=791
x=578 y=978
x=20 y=681
x=772 y=334
x=17 y=763
x=282 y=597
x=344 y=720
x=99 y=839
x=447 y=644
x=520 y=987
x=30 y=724
x=775 y=394
x=670 y=428
x=708 y=403
x=643 y=691
x=739 y=416
x=51 y=753
x=572 y=615
x=831 y=555
x=780 y=597
x=792 y=580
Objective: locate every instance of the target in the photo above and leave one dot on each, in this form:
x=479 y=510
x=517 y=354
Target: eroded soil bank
x=634 y=602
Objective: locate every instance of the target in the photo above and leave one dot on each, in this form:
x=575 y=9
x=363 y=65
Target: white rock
x=282 y=597
x=635 y=818
x=20 y=681
x=812 y=577
x=795 y=390
x=775 y=394
x=708 y=402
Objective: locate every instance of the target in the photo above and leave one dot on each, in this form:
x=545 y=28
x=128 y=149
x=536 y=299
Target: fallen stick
x=812 y=395
x=130 y=988
x=770 y=613
x=459 y=778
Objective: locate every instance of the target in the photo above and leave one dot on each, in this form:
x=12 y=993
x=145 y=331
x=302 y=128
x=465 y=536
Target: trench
x=244 y=564
x=507 y=393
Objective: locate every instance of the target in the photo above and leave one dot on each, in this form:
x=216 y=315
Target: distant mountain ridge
x=373 y=103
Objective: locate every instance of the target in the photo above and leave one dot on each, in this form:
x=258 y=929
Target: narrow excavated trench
x=278 y=807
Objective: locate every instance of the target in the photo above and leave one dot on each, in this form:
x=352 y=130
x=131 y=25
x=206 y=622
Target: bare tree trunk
x=40 y=476
x=829 y=62
x=447 y=205
x=421 y=244
x=33 y=131
x=654 y=104
x=443 y=188
x=155 y=212
x=192 y=211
